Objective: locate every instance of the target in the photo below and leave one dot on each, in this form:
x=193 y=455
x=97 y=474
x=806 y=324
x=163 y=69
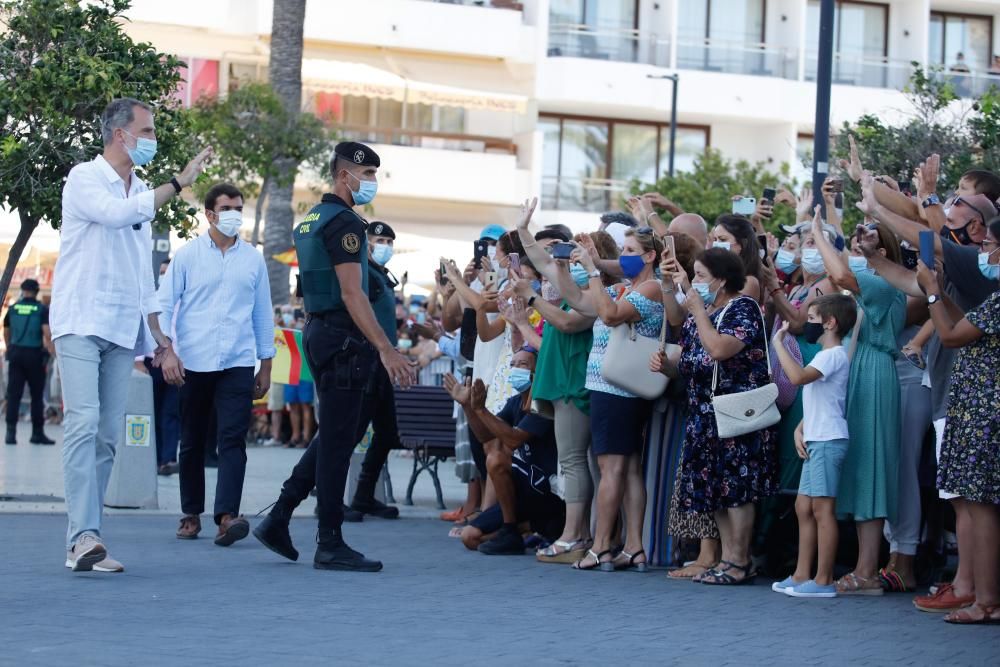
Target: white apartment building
x=475 y=105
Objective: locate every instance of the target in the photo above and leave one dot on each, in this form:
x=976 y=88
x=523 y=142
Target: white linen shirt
x=223 y=305
x=103 y=284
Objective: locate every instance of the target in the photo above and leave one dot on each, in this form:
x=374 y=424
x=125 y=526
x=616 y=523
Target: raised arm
x=954 y=329
x=568 y=322
x=837 y=269
x=794 y=371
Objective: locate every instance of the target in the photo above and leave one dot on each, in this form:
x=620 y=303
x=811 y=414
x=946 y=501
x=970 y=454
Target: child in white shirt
x=820 y=440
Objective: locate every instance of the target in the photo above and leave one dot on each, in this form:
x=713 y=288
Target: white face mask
x=229 y=223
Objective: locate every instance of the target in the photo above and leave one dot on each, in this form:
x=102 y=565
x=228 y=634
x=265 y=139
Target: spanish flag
x=289 y=365
x=289 y=257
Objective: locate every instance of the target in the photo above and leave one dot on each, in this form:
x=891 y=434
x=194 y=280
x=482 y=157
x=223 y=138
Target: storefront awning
x=352 y=78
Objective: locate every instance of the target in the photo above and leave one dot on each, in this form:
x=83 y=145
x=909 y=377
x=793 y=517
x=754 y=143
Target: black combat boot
x=11 y=434
x=332 y=553
x=365 y=502
x=38 y=437
x=273 y=533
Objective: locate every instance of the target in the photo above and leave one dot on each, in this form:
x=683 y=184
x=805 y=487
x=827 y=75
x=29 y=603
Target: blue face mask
x=812 y=261
x=991 y=271
x=580 y=275
x=785 y=261
x=536 y=285
x=366 y=191
x=857 y=264
x=704 y=290
x=144 y=151
x=632 y=265
x=725 y=245
x=520 y=379
x=382 y=253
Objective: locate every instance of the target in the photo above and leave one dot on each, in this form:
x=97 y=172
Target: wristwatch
x=177 y=185
x=932 y=200
x=531 y=301
x=596 y=273
x=932 y=299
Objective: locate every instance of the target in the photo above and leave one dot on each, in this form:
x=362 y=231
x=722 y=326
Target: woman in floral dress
x=970 y=454
x=724 y=476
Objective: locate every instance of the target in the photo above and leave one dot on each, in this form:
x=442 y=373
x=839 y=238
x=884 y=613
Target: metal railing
x=613 y=44
x=714 y=55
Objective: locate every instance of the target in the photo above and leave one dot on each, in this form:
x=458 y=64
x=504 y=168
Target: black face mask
x=910 y=258
x=960 y=235
x=812 y=331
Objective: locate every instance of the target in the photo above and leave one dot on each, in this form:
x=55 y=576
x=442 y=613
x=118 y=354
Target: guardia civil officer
x=29 y=344
x=385 y=435
x=345 y=346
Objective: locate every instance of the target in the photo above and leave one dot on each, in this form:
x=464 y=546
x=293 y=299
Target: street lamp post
x=673 y=116
x=821 y=133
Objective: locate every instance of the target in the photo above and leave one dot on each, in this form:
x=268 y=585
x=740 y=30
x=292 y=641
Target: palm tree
x=285 y=74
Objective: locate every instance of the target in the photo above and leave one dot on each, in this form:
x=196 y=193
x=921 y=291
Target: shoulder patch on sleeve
x=351 y=243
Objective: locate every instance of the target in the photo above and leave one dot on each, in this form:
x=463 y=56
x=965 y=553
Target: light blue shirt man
x=223 y=303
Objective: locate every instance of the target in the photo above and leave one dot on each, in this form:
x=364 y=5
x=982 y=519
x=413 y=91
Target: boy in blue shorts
x=820 y=440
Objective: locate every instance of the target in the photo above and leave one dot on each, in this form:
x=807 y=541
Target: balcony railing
x=755 y=59
x=499 y=4
x=581 y=41
x=969 y=84
x=582 y=194
x=427 y=139
x=851 y=70
x=712 y=55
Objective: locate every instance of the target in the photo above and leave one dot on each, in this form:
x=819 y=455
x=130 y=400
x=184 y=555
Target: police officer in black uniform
x=29 y=344
x=385 y=434
x=348 y=352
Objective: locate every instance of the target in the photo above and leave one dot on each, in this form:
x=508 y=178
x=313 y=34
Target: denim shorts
x=821 y=471
x=299 y=393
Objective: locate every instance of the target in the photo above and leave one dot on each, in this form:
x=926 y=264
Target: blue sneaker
x=810 y=589
x=783 y=585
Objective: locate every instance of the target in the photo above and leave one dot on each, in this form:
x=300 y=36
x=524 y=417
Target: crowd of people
x=807 y=372
x=842 y=355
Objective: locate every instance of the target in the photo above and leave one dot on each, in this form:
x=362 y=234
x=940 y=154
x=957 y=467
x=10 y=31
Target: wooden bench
x=427 y=428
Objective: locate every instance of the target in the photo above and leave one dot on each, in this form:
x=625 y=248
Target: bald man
x=691 y=224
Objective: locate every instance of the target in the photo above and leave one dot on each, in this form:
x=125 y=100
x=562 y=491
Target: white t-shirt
x=824 y=400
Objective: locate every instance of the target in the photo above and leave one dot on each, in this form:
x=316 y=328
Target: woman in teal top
x=869 y=479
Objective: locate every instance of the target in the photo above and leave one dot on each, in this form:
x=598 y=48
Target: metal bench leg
x=413 y=477
x=387 y=485
x=437 y=482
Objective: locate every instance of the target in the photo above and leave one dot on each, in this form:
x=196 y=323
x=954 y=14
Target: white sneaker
x=109 y=564
x=86 y=553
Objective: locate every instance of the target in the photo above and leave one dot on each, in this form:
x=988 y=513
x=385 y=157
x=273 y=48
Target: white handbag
x=626 y=361
x=745 y=411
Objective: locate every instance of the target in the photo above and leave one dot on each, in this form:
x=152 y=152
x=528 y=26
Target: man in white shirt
x=102 y=291
x=219 y=285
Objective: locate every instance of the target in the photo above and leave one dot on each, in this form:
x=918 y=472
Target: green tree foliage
x=61 y=62
x=964 y=134
x=249 y=128
x=708 y=189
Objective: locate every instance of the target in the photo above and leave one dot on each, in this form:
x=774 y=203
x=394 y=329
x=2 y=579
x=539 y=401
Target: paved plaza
x=192 y=603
